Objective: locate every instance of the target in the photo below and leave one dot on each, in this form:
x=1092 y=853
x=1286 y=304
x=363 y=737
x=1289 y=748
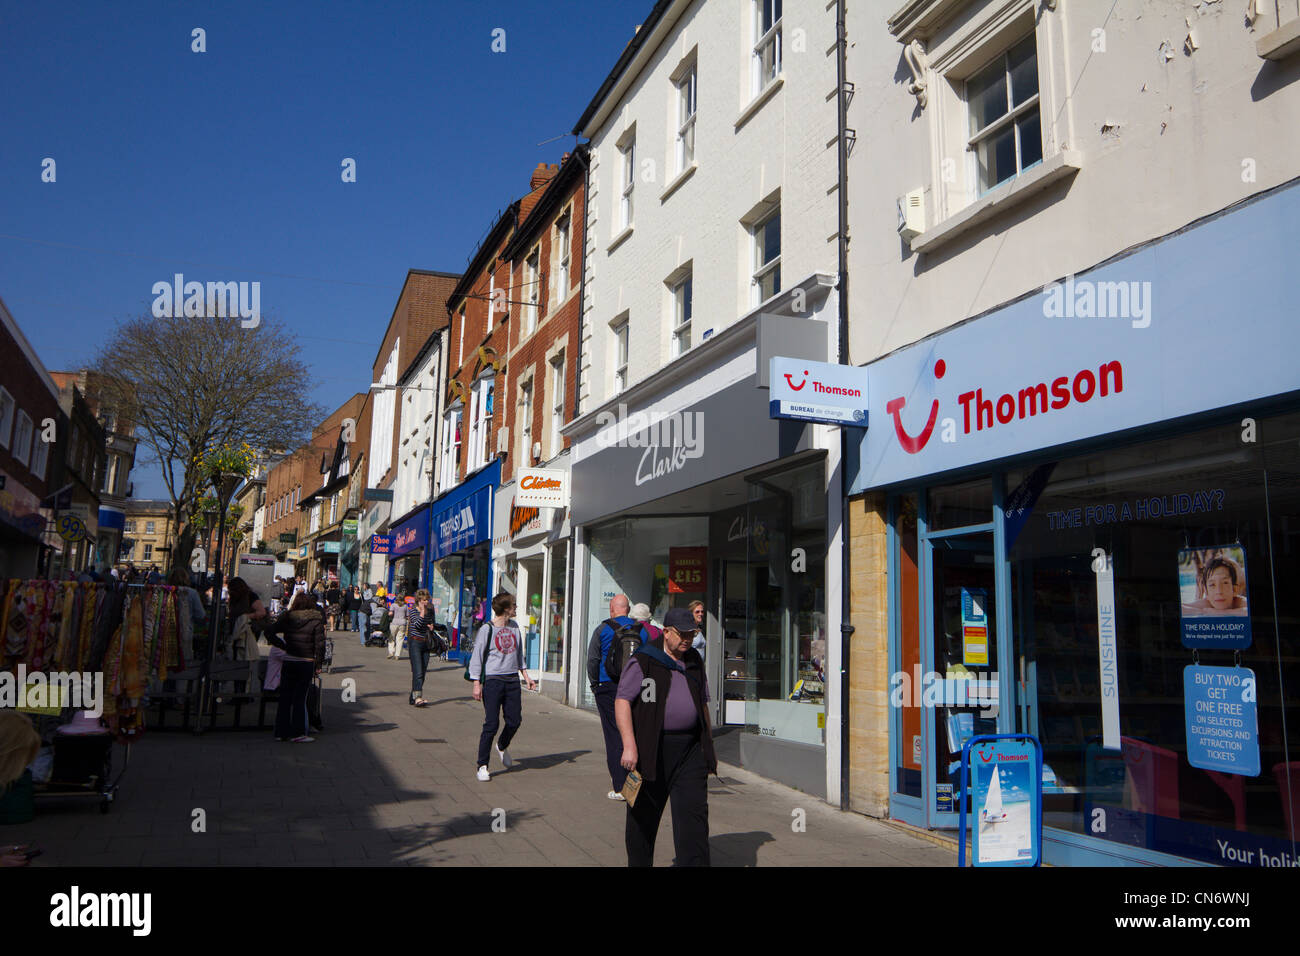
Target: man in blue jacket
x=604 y=686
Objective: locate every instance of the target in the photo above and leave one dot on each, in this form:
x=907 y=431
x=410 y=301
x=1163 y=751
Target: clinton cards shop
x=1093 y=536
x=684 y=489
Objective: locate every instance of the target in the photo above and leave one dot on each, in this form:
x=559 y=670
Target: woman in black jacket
x=303 y=643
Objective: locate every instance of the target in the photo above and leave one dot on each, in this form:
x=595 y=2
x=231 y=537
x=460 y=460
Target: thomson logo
x=820 y=387
x=1085 y=299
x=94 y=910
x=181 y=299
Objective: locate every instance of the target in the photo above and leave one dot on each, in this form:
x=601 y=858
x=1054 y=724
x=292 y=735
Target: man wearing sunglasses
x=662 y=712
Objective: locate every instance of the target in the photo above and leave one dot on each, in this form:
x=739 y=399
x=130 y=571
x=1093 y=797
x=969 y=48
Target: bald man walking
x=604 y=686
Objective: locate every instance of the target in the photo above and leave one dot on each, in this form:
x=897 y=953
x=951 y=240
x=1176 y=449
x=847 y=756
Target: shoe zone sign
x=817 y=392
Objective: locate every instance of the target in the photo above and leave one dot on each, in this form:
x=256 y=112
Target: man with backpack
x=612 y=645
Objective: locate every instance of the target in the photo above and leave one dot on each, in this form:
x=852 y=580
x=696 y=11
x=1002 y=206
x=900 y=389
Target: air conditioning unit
x=911 y=214
x=503 y=440
x=537 y=451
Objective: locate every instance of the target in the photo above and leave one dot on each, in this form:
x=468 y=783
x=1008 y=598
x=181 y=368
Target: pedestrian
x=333 y=603
x=363 y=616
x=421 y=638
x=303 y=643
x=697 y=611
x=663 y=720
x=495 y=665
x=604 y=685
x=397 y=629
x=641 y=613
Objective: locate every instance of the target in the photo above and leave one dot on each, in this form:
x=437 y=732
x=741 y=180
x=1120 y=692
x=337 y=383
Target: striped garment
x=418 y=625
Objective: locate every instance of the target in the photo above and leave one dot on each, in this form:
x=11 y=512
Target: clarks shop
x=1092 y=535
x=685 y=489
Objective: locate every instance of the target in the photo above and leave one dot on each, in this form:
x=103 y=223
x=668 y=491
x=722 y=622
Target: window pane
x=987 y=95
x=1022 y=64
x=1031 y=140
x=769 y=243
x=997 y=159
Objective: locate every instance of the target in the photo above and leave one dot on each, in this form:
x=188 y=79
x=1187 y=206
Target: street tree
x=193 y=384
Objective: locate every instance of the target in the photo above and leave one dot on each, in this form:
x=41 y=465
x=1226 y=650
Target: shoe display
x=483 y=774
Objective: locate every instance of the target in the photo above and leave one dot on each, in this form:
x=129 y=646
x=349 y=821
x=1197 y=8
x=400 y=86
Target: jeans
x=419 y=651
x=352 y=616
x=291 y=711
x=682 y=779
x=364 y=621
x=500 y=694
x=613 y=739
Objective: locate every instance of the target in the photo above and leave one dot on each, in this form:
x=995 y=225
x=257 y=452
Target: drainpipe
x=846 y=629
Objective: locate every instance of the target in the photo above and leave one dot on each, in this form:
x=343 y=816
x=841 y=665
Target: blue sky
x=225 y=165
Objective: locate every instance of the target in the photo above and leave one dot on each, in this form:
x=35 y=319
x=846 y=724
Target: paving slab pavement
x=389 y=784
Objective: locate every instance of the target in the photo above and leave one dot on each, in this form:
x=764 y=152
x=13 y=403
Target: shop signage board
x=817 y=392
x=974 y=626
x=288 y=537
x=1003 y=773
x=1222 y=719
x=412 y=534
x=381 y=544
x=525 y=521
x=1035 y=374
x=71 y=527
x=464 y=524
x=1213 y=597
x=327 y=547
x=350 y=526
x=686 y=570
x=543 y=488
x=1107 y=652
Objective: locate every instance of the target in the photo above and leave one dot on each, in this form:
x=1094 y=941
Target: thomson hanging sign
x=817 y=392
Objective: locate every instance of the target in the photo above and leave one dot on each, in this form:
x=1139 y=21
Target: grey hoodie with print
x=498 y=651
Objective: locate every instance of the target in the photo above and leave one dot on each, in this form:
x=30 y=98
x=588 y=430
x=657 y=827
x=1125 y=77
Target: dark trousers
x=419 y=651
x=291 y=711
x=500 y=694
x=605 y=694
x=682 y=779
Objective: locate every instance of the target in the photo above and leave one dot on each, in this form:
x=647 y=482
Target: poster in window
x=1213 y=597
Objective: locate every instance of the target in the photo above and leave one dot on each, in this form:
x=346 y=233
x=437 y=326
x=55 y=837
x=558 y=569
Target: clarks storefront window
x=1142 y=627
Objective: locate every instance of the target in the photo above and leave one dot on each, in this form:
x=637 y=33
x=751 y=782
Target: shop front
x=1091 y=537
x=688 y=490
x=460 y=574
x=372 y=565
x=531 y=548
x=410 y=546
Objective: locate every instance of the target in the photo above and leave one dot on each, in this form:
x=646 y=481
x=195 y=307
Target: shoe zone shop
x=1097 y=522
x=459 y=567
x=684 y=489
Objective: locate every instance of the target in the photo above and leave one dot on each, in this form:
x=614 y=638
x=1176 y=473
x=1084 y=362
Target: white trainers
x=506 y=760
x=615 y=795
x=483 y=774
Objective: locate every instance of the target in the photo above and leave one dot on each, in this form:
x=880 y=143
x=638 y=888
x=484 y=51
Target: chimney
x=542 y=175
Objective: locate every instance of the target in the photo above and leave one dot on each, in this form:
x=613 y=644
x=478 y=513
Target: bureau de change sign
x=818 y=392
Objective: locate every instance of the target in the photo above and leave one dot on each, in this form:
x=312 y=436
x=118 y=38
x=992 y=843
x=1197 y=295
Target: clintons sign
x=543 y=488
x=1024 y=379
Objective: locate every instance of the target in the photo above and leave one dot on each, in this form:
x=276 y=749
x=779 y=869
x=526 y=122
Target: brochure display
x=1003 y=773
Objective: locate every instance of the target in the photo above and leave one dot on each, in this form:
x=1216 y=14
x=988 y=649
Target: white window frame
x=452 y=421
x=557 y=404
x=683 y=312
x=8 y=408
x=628 y=151
x=622 y=342
x=563 y=253
x=149 y=527
x=481 y=424
x=524 y=417
x=763 y=40
x=763 y=269
x=334 y=501
x=24 y=430
x=148 y=551
x=687 y=110
x=1011 y=117
x=532 y=288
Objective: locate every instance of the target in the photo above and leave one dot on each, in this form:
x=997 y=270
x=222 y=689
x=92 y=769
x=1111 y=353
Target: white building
x=711 y=247
x=420 y=388
x=1072 y=225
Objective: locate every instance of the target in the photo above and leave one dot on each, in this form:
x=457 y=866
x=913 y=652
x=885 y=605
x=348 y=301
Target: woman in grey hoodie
x=495 y=664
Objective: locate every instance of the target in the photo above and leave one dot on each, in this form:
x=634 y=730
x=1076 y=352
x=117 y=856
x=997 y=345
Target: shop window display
x=1196 y=536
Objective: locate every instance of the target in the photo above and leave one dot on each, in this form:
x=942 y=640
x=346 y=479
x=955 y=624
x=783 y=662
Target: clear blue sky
x=225 y=165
